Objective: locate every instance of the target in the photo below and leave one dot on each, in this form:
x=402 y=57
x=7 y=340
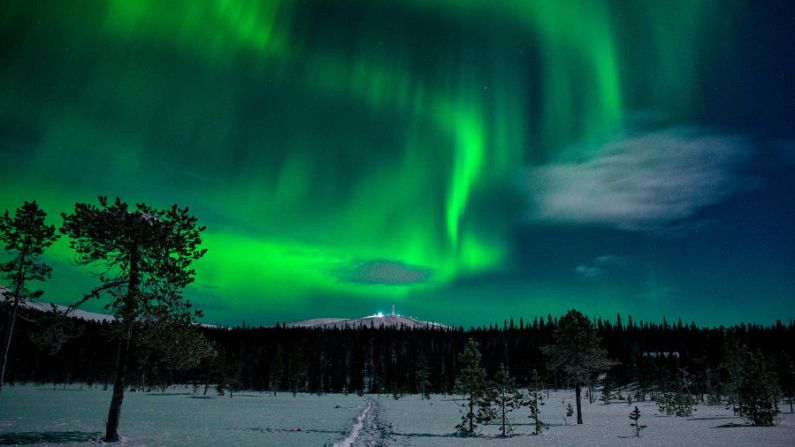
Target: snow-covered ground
x=430 y=423
x=177 y=417
x=75 y=416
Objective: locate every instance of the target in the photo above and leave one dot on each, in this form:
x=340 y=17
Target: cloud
x=588 y=272
x=386 y=272
x=600 y=266
x=641 y=182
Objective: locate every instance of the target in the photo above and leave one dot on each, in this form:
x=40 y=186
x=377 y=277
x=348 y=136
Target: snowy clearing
x=430 y=423
x=46 y=415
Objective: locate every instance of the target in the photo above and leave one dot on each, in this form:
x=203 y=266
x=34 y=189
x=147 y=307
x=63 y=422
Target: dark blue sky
x=467 y=160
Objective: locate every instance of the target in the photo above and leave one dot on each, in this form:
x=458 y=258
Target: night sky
x=466 y=160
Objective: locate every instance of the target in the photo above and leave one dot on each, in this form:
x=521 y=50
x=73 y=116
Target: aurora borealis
x=467 y=160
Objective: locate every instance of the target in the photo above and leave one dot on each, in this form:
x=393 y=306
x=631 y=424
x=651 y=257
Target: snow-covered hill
x=375 y=321
x=75 y=313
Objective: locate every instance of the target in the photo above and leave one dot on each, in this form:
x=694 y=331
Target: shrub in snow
x=786 y=377
x=757 y=392
x=680 y=402
x=676 y=404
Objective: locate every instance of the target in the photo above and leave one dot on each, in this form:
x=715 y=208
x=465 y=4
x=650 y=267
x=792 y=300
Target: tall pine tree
x=577 y=353
x=146 y=254
x=422 y=378
x=26 y=236
x=275 y=370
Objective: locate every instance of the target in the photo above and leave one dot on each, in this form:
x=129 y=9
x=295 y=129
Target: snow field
x=417 y=422
x=44 y=415
x=177 y=417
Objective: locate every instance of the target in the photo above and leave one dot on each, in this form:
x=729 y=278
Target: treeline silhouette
x=403 y=360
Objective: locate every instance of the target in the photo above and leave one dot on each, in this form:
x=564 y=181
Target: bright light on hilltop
x=380 y=315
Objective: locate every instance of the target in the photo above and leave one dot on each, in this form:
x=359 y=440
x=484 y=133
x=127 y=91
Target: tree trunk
x=502 y=407
x=578 y=392
x=12 y=317
x=128 y=320
x=7 y=342
x=504 y=422
x=114 y=413
x=471 y=415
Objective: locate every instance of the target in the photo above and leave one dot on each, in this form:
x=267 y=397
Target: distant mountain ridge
x=375 y=321
x=75 y=313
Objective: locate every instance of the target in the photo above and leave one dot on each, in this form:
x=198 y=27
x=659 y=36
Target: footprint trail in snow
x=368 y=430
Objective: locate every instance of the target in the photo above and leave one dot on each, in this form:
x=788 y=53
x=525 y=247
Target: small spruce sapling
x=607 y=392
x=569 y=413
x=506 y=399
x=635 y=417
x=471 y=383
x=534 y=402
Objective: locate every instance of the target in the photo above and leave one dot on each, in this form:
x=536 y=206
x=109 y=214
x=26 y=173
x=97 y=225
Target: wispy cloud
x=585 y=271
x=641 y=182
x=600 y=266
x=385 y=272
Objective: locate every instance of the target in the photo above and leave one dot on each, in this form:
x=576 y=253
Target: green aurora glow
x=315 y=137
